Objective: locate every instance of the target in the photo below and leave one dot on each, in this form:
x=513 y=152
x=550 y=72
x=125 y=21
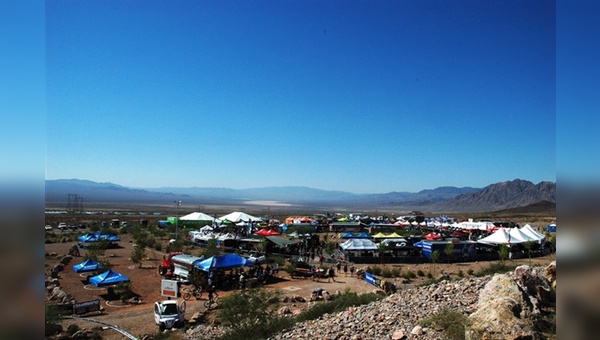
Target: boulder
x=417 y=330
x=502 y=312
x=285 y=310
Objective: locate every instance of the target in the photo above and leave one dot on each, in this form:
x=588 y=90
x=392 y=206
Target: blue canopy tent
x=88 y=265
x=227 y=261
x=98 y=236
x=348 y=235
x=108 y=278
x=364 y=235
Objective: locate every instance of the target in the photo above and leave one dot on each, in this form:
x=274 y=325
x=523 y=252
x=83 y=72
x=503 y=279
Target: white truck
x=168 y=314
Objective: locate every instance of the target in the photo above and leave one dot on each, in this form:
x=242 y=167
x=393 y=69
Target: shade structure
x=433 y=236
x=224 y=262
x=88 y=265
x=108 y=278
x=358 y=244
x=198 y=216
x=97 y=237
x=238 y=216
x=267 y=232
x=532 y=233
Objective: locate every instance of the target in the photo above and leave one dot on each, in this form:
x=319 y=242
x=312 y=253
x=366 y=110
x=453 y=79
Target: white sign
x=169 y=288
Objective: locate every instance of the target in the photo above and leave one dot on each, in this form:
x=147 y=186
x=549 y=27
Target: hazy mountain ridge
x=498 y=196
x=501 y=196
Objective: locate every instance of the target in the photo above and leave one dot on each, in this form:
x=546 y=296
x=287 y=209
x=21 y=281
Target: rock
x=502 y=312
x=299 y=298
x=285 y=310
x=398 y=335
x=550 y=273
x=417 y=330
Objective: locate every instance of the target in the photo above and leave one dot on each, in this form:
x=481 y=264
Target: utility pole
x=177 y=204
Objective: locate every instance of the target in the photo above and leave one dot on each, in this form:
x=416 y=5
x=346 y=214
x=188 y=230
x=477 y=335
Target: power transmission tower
x=74 y=204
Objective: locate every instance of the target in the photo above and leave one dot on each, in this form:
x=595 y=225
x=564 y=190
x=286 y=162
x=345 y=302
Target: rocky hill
x=515 y=305
x=500 y=196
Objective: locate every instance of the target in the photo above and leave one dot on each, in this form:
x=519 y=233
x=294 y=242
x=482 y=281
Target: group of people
x=331 y=271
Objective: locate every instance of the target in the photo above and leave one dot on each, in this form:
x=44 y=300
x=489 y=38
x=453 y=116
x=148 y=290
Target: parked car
x=167 y=314
x=48 y=227
x=62 y=226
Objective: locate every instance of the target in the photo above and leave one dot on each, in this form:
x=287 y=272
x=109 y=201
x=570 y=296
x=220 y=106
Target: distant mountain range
x=498 y=196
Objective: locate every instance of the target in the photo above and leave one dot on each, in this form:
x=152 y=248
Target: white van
x=167 y=314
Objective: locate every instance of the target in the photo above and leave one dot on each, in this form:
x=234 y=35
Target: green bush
x=387 y=273
x=420 y=273
x=470 y=272
x=450 y=322
x=376 y=270
x=461 y=274
x=429 y=275
x=496 y=267
x=72 y=329
x=256 y=326
x=396 y=272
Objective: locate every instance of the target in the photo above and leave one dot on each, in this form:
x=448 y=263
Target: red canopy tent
x=433 y=236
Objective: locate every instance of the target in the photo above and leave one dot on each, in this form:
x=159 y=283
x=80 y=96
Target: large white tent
x=198 y=216
x=532 y=233
x=507 y=236
x=238 y=216
x=500 y=236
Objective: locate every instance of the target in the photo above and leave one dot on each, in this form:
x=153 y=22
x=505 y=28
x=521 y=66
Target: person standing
x=242 y=281
x=331 y=274
x=345 y=269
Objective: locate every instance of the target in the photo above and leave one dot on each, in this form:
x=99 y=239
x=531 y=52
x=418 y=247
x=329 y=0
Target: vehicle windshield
x=169 y=309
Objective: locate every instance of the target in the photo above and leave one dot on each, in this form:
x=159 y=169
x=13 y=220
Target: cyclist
x=211 y=290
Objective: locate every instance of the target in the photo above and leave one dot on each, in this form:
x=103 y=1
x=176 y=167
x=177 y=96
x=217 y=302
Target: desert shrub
x=124 y=291
x=396 y=272
x=411 y=274
x=290 y=267
x=72 y=329
x=52 y=320
x=470 y=271
x=450 y=322
x=496 y=267
x=429 y=275
x=461 y=274
x=158 y=246
x=376 y=270
x=420 y=273
x=340 y=303
x=387 y=273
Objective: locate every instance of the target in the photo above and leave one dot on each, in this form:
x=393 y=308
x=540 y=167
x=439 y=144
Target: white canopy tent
x=475 y=225
x=358 y=244
x=532 y=233
x=238 y=216
x=507 y=236
x=198 y=216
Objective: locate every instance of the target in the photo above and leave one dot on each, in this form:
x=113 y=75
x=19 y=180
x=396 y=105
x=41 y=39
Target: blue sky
x=366 y=97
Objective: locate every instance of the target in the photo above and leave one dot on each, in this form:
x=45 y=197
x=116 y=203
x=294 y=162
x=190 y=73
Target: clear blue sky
x=366 y=97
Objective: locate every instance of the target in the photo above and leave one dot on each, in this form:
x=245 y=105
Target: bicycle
x=213 y=299
x=197 y=292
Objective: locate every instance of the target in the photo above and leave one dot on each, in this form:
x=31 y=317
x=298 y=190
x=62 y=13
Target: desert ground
x=137 y=319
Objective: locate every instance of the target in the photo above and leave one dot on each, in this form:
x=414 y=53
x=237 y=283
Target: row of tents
x=111 y=277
